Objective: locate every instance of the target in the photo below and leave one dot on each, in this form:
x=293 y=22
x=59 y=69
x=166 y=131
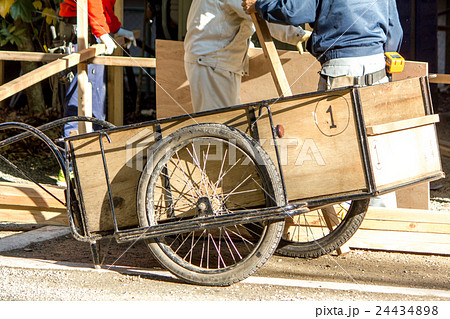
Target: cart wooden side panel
x=125 y=157
x=327 y=149
x=321 y=152
x=314 y=156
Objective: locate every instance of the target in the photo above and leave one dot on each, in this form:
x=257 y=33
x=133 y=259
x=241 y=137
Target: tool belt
x=69 y=20
x=68 y=30
x=347 y=80
x=371 y=78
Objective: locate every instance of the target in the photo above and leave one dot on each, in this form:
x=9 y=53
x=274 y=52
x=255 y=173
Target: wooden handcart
x=215 y=194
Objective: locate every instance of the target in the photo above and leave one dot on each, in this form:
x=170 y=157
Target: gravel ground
x=429 y=273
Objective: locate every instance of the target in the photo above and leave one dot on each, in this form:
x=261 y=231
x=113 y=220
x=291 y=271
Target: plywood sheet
x=320 y=146
x=126 y=157
x=173 y=95
x=404 y=155
x=392 y=102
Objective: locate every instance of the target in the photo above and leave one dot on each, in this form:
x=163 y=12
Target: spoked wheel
x=202 y=171
x=321 y=231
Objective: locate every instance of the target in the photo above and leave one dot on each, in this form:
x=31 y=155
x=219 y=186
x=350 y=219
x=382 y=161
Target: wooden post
x=2 y=71
x=115 y=80
x=270 y=51
x=84 y=87
x=331 y=219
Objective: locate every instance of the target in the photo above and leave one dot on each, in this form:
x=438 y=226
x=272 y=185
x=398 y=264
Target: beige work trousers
x=212 y=88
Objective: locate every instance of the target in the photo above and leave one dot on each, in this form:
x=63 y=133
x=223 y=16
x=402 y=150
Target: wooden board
x=271 y=54
x=27 y=203
x=436 y=244
x=403 y=156
x=316 y=159
x=45 y=71
x=173 y=95
x=402 y=125
x=126 y=156
x=440 y=78
x=407 y=230
x=392 y=102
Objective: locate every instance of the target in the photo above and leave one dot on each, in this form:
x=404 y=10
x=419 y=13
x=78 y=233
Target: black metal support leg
x=95 y=255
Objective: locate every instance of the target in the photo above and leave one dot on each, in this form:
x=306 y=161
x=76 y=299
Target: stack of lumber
x=404 y=230
x=29 y=204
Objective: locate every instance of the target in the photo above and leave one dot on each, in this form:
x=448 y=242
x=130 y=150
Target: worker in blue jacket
x=349 y=37
x=349 y=40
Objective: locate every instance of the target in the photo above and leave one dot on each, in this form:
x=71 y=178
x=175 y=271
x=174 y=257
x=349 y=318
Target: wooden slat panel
x=401 y=241
x=391 y=102
x=401 y=125
x=315 y=158
x=408 y=230
x=126 y=156
x=30 y=195
x=408 y=215
x=27 y=203
x=21 y=215
x=404 y=155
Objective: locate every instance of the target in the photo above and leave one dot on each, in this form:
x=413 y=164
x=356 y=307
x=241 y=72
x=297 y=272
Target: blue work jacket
x=342 y=28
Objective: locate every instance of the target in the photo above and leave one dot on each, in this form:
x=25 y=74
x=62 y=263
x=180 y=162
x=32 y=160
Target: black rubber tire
x=327 y=242
x=269 y=235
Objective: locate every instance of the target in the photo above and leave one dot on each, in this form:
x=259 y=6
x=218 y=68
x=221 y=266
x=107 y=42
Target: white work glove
x=109 y=42
x=128 y=35
x=304 y=38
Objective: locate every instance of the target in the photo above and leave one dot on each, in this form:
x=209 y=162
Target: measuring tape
x=394 y=62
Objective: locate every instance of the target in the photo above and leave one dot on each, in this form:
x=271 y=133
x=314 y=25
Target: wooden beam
x=30 y=56
x=45 y=71
x=270 y=51
x=124 y=61
x=115 y=81
x=2 y=71
x=331 y=219
x=104 y=60
x=445 y=151
x=402 y=125
x=440 y=78
x=84 y=87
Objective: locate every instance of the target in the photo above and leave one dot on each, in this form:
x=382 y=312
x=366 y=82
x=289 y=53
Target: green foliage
x=22 y=9
x=10 y=34
x=36 y=13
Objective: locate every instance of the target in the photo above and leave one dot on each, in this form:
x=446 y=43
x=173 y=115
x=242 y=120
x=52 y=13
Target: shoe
x=61 y=181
